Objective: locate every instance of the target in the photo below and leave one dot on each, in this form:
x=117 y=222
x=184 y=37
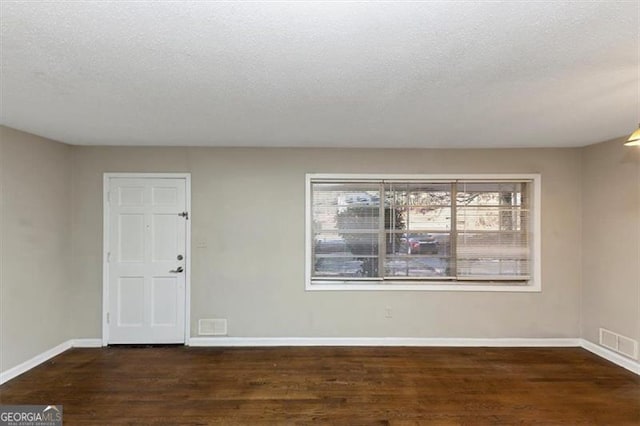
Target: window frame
x=534 y=284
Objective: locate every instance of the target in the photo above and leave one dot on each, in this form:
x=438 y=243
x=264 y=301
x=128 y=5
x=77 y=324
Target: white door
x=146 y=260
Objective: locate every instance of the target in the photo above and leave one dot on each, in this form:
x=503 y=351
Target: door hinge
x=108 y=318
x=109 y=257
x=184 y=214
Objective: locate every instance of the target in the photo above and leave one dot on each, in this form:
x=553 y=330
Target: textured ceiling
x=325 y=74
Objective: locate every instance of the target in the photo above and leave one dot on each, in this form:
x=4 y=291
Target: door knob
x=177 y=270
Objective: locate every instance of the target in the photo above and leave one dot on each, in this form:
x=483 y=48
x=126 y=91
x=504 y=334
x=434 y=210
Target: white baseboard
x=87 y=343
x=622 y=361
x=382 y=341
x=617 y=359
x=5 y=376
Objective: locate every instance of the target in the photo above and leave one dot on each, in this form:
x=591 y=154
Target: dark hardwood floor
x=179 y=385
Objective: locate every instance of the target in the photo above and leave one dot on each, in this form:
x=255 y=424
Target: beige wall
x=248 y=206
x=611 y=239
x=35 y=242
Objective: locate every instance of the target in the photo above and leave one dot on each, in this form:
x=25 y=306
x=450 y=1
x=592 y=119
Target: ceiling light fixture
x=634 y=139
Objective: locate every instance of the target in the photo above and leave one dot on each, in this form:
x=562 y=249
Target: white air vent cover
x=212 y=327
x=628 y=347
x=619 y=343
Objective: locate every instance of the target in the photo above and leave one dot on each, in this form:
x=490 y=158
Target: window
x=471 y=232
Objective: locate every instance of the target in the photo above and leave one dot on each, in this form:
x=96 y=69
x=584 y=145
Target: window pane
x=489 y=218
x=339 y=206
x=494 y=244
x=419 y=194
x=334 y=218
x=339 y=267
x=493 y=230
x=415 y=243
x=418 y=225
x=491 y=193
x=418 y=206
x=346 y=194
x=494 y=268
x=428 y=219
x=418 y=266
x=352 y=255
x=346 y=221
x=352 y=244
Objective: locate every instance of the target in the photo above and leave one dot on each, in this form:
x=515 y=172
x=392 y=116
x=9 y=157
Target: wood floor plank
x=331 y=385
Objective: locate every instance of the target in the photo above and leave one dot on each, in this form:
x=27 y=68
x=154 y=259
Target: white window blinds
x=492 y=228
x=391 y=230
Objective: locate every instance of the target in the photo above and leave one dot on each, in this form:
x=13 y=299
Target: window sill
x=514 y=287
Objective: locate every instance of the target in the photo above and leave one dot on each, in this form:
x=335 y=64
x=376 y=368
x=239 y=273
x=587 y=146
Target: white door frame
x=106 y=244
